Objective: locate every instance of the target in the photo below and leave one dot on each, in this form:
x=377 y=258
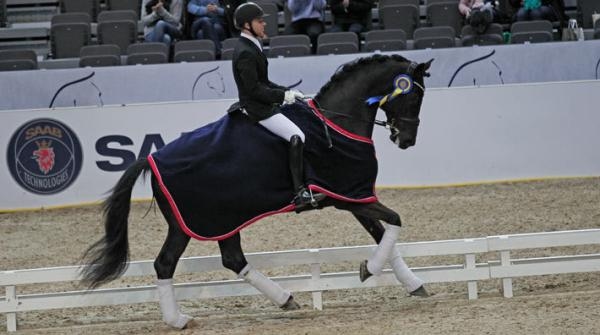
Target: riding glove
x=291 y=96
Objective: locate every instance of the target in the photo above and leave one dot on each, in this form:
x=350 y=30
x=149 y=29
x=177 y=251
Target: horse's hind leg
x=233 y=258
x=412 y=283
x=165 y=264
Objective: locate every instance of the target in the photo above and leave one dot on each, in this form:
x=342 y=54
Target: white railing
x=317 y=281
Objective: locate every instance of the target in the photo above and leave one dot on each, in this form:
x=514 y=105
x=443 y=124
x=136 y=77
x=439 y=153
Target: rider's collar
x=253 y=39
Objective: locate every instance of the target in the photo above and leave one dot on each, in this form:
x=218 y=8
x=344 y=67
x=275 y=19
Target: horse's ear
x=423 y=67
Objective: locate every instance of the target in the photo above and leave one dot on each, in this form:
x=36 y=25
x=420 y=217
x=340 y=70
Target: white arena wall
x=469 y=134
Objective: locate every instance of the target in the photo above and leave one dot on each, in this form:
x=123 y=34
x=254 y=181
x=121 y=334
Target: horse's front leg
x=233 y=258
x=377 y=211
x=412 y=283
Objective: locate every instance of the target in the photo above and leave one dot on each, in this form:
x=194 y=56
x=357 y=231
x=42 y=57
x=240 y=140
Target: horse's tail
x=106 y=260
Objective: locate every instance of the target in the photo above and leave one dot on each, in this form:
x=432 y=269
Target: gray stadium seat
x=68 y=33
x=100 y=55
x=194 y=51
x=531 y=31
x=585 y=9
x=227 y=47
x=92 y=7
x=117 y=27
x=271 y=18
x=492 y=36
x=597 y=30
x=385 y=40
x=434 y=37
x=13 y=60
x=337 y=43
x=405 y=17
x=383 y=3
x=134 y=5
x=3 y=15
x=445 y=14
x=289 y=46
x=147 y=53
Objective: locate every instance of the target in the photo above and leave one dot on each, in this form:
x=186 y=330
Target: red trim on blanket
x=337 y=128
x=330 y=194
x=181 y=221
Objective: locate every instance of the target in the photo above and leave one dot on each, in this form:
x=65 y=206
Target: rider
x=261 y=98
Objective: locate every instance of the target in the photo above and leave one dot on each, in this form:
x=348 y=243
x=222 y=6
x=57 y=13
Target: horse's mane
x=349 y=69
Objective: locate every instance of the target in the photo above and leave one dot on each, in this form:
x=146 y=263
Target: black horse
x=346 y=105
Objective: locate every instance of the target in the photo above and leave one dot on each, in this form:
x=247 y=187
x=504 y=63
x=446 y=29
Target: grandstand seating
x=3 y=21
x=68 y=33
x=11 y=60
x=92 y=7
x=531 y=32
x=227 y=47
x=385 y=40
x=117 y=27
x=147 y=53
x=32 y=21
x=337 y=43
x=444 y=14
x=194 y=51
x=585 y=10
x=289 y=46
x=434 y=37
x=100 y=55
x=271 y=18
x=492 y=36
x=597 y=30
x=405 y=17
x=134 y=5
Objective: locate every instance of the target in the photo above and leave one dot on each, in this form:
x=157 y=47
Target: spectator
x=551 y=10
x=477 y=14
x=480 y=13
x=162 y=20
x=209 y=21
x=350 y=15
x=230 y=7
x=307 y=18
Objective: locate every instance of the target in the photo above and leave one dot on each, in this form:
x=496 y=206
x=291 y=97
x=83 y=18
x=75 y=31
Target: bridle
x=414 y=122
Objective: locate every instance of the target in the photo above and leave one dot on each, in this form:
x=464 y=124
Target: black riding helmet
x=246 y=12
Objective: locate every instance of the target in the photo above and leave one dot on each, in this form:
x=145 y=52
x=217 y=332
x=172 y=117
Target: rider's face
x=259 y=27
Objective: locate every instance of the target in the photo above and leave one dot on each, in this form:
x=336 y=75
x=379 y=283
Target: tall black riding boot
x=303 y=195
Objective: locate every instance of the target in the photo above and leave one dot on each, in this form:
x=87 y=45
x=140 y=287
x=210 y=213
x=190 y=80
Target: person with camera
x=260 y=98
x=162 y=20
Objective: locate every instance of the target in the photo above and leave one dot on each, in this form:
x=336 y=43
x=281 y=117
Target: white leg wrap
x=265 y=285
x=403 y=273
x=383 y=250
x=168 y=305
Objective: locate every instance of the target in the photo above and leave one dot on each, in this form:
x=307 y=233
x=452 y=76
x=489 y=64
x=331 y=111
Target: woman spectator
x=350 y=15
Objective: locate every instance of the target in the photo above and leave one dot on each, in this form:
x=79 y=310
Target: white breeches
x=281 y=126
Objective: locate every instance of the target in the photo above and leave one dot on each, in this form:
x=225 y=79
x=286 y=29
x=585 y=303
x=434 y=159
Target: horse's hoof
x=364 y=272
x=290 y=305
x=420 y=292
x=192 y=324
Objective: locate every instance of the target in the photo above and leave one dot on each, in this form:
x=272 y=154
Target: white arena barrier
x=316 y=281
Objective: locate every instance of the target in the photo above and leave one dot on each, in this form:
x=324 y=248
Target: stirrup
x=306 y=197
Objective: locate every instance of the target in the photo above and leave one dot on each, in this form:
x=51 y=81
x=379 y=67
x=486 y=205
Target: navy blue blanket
x=228 y=174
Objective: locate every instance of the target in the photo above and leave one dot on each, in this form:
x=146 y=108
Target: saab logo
x=44 y=156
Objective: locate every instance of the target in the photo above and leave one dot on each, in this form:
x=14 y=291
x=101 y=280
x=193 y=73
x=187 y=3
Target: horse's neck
x=348 y=110
x=345 y=104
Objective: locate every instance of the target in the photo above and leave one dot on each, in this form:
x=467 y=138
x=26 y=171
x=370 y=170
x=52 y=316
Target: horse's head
x=403 y=103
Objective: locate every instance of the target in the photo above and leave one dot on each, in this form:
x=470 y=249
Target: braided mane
x=349 y=70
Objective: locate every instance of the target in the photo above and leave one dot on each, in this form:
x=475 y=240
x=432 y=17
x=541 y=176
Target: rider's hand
x=291 y=96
